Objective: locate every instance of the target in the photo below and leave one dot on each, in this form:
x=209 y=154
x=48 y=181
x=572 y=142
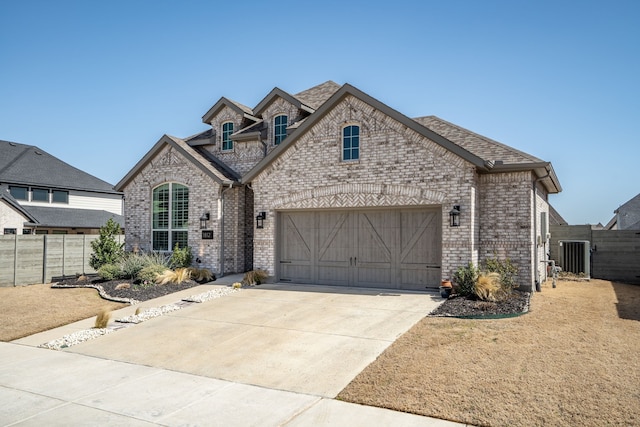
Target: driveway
x=301 y=338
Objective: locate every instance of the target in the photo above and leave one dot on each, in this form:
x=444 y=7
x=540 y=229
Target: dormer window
x=351 y=143
x=279 y=129
x=227 y=130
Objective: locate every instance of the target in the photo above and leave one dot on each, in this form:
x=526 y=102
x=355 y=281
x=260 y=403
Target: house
x=627 y=216
x=331 y=186
x=41 y=194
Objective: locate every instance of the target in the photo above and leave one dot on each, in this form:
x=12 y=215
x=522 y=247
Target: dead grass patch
x=573 y=360
x=26 y=310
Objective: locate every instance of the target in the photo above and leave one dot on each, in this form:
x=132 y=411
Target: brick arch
x=359 y=195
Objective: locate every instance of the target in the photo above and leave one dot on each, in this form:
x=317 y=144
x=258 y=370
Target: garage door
x=397 y=248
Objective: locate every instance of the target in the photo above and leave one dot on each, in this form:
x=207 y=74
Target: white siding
x=86 y=200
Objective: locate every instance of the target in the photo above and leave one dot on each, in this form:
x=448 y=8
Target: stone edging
x=88 y=334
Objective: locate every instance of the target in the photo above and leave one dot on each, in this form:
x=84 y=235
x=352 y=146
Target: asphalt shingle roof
x=479 y=145
x=316 y=96
x=71 y=218
x=29 y=165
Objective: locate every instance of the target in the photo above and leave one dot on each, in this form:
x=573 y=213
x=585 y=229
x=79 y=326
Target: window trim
x=278 y=137
x=171 y=230
x=351 y=149
x=226 y=133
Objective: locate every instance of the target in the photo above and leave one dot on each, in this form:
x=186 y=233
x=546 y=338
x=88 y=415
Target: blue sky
x=96 y=84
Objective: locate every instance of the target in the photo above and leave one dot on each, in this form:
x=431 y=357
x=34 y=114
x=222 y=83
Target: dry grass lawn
x=574 y=360
x=26 y=310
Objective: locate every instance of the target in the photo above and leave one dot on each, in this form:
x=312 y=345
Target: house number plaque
x=207 y=234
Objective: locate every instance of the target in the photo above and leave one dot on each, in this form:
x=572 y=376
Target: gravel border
x=89 y=334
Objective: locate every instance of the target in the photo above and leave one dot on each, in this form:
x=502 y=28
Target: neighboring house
x=627 y=216
x=40 y=194
x=331 y=186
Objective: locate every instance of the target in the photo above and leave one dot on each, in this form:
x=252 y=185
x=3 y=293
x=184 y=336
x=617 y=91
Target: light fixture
x=260 y=219
x=454 y=216
x=203 y=220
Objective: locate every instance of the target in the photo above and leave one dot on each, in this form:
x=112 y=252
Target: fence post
x=63 y=255
x=44 y=258
x=15 y=259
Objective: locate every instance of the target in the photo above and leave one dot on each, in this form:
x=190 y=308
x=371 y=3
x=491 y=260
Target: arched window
x=279 y=128
x=227 y=130
x=170 y=219
x=351 y=142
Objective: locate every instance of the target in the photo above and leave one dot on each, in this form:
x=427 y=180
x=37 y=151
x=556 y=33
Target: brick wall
x=170 y=166
x=245 y=154
x=397 y=167
x=506 y=222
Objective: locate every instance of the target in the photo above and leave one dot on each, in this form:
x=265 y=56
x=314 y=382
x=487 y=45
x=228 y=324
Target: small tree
x=106 y=250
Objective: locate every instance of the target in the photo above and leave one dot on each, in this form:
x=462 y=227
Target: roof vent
x=13 y=144
x=38 y=153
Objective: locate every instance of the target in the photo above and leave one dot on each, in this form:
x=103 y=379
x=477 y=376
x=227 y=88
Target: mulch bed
x=459 y=306
x=135 y=291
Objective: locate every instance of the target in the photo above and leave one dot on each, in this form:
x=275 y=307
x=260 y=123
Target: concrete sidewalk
x=269 y=355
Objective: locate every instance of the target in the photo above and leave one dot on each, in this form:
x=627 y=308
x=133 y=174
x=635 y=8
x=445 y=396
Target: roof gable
x=7 y=198
x=279 y=93
x=32 y=166
x=336 y=98
x=225 y=102
x=199 y=157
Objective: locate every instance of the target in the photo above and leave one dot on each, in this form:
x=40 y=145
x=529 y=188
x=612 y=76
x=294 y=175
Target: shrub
x=106 y=250
x=488 y=287
x=178 y=276
x=465 y=279
x=201 y=274
x=181 y=257
x=131 y=265
x=110 y=272
x=150 y=273
x=237 y=285
x=505 y=269
x=255 y=277
x=102 y=319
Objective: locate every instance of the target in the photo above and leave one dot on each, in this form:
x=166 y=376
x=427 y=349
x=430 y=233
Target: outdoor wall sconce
x=454 y=216
x=203 y=220
x=260 y=219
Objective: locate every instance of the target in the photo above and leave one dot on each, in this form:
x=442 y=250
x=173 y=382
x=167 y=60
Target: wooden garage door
x=370 y=248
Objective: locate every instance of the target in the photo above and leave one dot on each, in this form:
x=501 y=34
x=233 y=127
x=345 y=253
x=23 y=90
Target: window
x=351 y=142
x=42 y=231
x=19 y=193
x=279 y=129
x=39 y=195
x=60 y=196
x=59 y=232
x=170 y=216
x=227 y=130
x=26 y=231
x=10 y=231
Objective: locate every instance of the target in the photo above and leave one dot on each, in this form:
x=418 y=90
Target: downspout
x=221 y=200
x=535 y=232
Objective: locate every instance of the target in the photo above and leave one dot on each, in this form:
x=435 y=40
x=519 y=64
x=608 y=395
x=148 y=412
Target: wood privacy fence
x=612 y=254
x=29 y=259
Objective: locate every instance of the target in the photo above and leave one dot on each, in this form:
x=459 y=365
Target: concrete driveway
x=300 y=338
